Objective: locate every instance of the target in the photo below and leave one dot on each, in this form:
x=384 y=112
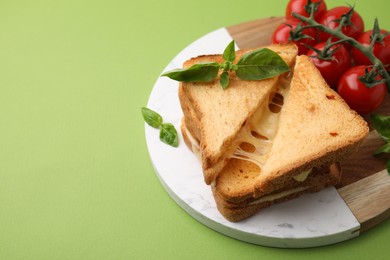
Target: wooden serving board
x=365 y=183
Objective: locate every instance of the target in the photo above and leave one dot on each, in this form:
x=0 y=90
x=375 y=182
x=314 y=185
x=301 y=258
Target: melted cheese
x=264 y=123
x=273 y=197
x=260 y=130
x=195 y=147
x=302 y=176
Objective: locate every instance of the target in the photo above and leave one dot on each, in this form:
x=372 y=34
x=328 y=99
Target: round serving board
x=335 y=214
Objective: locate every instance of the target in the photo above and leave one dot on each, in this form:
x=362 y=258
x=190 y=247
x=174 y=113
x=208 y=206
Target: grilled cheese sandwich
x=281 y=145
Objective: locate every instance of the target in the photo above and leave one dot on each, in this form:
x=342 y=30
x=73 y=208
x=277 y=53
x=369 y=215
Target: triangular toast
x=316 y=128
x=215 y=116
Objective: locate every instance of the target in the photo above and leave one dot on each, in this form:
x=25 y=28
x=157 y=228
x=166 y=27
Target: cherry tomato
x=299 y=7
x=330 y=17
x=381 y=50
x=357 y=95
x=282 y=35
x=333 y=68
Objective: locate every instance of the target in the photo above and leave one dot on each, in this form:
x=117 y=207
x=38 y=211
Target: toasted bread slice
x=316 y=128
x=215 y=116
x=238 y=211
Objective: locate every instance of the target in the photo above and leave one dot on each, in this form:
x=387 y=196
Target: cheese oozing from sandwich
x=258 y=132
x=255 y=139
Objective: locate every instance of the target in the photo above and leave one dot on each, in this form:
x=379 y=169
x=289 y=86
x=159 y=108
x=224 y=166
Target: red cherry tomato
x=357 y=95
x=381 y=50
x=299 y=7
x=282 y=35
x=330 y=17
x=333 y=68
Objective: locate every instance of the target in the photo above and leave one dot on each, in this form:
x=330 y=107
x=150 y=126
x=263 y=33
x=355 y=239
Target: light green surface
x=76 y=181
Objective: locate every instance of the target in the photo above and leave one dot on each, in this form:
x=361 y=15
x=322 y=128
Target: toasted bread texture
x=316 y=128
x=238 y=211
x=214 y=116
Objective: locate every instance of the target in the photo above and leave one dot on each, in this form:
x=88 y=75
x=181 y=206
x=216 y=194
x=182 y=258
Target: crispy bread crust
x=317 y=177
x=242 y=210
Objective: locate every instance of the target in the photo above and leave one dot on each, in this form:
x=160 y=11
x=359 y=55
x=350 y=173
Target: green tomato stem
x=367 y=51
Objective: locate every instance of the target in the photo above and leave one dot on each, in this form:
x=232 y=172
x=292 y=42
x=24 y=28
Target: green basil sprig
x=382 y=125
x=168 y=133
x=255 y=65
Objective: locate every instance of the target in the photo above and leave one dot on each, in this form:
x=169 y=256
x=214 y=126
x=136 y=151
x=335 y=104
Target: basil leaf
x=224 y=79
x=260 y=64
x=168 y=134
x=201 y=72
x=383 y=149
x=382 y=125
x=388 y=166
x=151 y=117
x=229 y=53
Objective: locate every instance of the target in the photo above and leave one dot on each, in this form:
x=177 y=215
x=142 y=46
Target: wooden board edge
x=254 y=33
x=369 y=199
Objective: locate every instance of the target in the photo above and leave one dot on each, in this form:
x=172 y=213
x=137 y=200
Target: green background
x=76 y=181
